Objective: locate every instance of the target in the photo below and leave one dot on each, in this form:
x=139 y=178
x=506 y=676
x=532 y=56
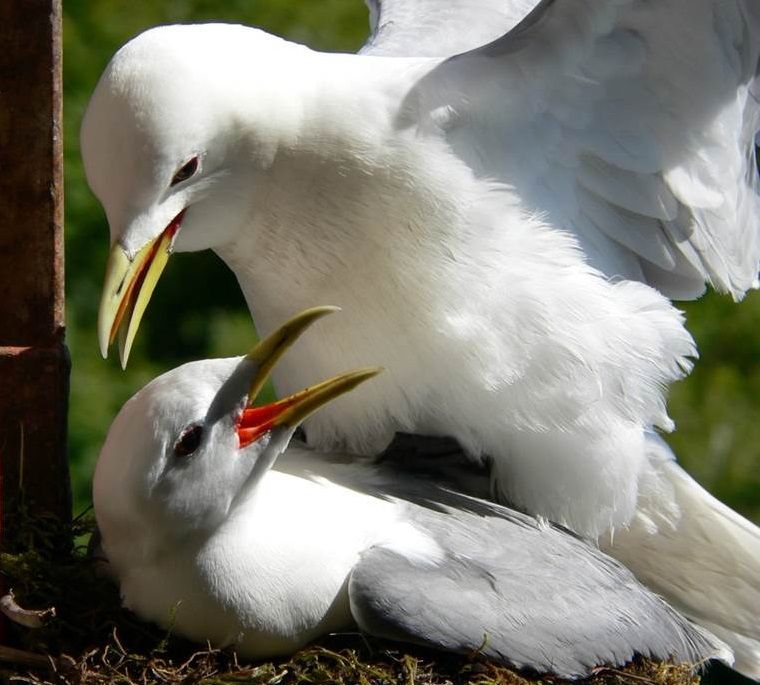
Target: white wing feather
x=629 y=123
x=439 y=28
x=697 y=553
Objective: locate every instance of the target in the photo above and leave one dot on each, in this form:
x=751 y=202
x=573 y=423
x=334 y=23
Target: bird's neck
x=364 y=213
x=366 y=231
x=341 y=184
x=292 y=548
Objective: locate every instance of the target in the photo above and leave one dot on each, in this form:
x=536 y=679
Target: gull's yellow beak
x=292 y=410
x=127 y=288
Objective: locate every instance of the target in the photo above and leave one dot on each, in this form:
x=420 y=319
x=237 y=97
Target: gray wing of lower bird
x=521 y=592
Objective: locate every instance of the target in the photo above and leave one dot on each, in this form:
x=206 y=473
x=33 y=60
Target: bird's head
x=180 y=124
x=191 y=445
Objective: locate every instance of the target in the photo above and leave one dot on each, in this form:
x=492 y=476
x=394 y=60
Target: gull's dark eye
x=189 y=441
x=185 y=171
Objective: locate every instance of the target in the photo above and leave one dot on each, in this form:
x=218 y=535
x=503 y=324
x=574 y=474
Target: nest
x=90 y=638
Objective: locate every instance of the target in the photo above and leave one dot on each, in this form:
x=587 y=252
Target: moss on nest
x=93 y=640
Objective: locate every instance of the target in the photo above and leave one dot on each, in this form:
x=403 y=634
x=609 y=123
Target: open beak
x=127 y=288
x=293 y=409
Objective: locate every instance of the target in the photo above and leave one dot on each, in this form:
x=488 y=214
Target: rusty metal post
x=34 y=363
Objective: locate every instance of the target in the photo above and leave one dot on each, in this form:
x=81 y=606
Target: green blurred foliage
x=717 y=409
x=198 y=311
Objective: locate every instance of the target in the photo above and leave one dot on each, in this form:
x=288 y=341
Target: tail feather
x=696 y=552
x=745 y=649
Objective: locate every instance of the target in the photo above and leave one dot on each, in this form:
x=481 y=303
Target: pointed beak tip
x=362 y=375
x=321 y=311
x=104 y=328
x=313 y=314
x=124 y=357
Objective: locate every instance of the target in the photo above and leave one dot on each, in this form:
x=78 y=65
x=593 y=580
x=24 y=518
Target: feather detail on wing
x=519 y=591
x=697 y=553
x=436 y=28
x=630 y=124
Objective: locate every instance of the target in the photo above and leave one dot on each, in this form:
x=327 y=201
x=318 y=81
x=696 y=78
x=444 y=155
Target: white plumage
x=502 y=229
x=266 y=547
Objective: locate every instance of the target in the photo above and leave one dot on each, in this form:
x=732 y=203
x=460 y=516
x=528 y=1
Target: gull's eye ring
x=187 y=170
x=188 y=441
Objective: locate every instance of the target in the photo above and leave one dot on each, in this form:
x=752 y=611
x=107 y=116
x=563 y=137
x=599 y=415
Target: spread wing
x=629 y=123
x=519 y=592
x=439 y=28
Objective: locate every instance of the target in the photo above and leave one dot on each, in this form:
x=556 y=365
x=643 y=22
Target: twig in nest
x=19 y=656
x=29 y=618
x=605 y=670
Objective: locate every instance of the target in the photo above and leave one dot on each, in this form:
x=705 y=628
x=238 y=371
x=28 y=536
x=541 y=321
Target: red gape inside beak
x=290 y=411
x=255 y=421
x=127 y=304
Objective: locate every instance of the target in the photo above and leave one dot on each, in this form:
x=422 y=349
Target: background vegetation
x=198 y=311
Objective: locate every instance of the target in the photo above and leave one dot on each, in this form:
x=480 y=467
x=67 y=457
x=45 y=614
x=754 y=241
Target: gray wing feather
x=521 y=592
x=439 y=28
x=630 y=123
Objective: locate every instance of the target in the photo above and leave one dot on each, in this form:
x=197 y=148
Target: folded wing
x=519 y=592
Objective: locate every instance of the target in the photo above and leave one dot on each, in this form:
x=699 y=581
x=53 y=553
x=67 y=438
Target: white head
x=190 y=446
x=180 y=124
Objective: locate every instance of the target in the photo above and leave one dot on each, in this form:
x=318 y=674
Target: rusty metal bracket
x=34 y=362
